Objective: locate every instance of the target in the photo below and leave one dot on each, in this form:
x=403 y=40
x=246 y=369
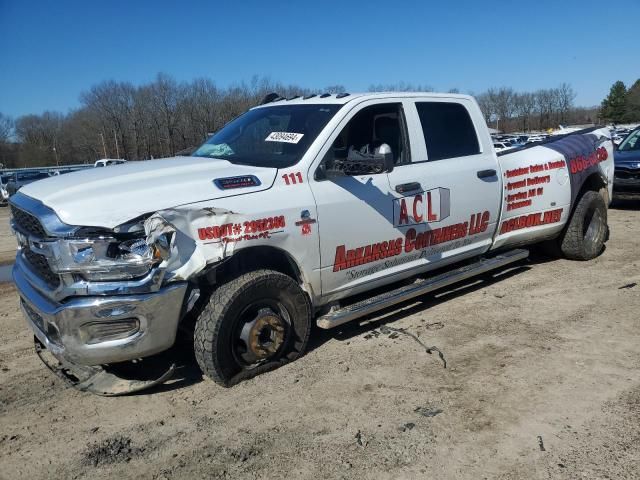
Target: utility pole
x=116 y=139
x=104 y=147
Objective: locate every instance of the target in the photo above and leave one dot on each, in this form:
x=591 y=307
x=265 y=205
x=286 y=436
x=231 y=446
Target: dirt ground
x=7 y=240
x=542 y=381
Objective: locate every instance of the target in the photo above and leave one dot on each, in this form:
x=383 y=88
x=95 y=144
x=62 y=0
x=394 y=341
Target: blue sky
x=50 y=51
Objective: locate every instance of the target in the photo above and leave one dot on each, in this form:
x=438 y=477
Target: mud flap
x=100 y=380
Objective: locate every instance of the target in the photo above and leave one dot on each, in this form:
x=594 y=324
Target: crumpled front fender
x=188 y=257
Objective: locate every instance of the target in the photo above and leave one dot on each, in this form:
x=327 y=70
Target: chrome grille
x=41 y=266
x=27 y=223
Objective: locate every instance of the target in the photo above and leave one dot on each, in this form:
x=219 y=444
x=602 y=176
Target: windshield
x=632 y=142
x=276 y=136
x=31 y=176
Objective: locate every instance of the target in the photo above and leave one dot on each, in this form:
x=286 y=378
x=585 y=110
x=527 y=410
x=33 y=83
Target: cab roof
x=344 y=98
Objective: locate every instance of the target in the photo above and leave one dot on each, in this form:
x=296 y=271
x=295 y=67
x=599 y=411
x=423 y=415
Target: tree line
x=120 y=120
x=165 y=117
x=508 y=110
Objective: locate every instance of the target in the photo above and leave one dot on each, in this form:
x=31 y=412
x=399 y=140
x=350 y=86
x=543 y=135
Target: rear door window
x=448 y=130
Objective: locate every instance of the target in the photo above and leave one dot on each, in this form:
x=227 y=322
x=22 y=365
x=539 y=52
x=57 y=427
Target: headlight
x=103 y=258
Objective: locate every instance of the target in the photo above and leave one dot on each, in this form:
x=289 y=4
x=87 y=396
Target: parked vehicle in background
x=617 y=138
x=20 y=179
x=319 y=209
x=107 y=162
x=501 y=146
x=4 y=194
x=535 y=138
x=626 y=180
x=514 y=142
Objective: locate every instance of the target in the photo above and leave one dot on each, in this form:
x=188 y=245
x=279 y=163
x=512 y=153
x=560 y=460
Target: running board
x=387 y=299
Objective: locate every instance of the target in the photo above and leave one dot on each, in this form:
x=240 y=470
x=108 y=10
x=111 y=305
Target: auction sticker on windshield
x=287 y=137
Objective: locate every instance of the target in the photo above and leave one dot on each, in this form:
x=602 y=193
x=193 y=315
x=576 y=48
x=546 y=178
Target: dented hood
x=109 y=196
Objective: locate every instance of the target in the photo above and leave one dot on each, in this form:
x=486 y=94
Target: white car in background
x=501 y=147
x=4 y=195
x=106 y=162
x=618 y=135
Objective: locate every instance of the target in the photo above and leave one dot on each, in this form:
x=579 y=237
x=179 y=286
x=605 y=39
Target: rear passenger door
x=459 y=185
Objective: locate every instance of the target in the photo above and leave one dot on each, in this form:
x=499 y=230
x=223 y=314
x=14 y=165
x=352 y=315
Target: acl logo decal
x=423 y=207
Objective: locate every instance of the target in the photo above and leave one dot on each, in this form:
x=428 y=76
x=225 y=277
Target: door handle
x=486 y=173
x=408 y=187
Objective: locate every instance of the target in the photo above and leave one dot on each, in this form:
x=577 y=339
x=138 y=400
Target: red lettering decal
x=384 y=249
x=398 y=249
x=340 y=262
x=418 y=217
x=351 y=257
x=409 y=243
x=404 y=217
x=484 y=224
x=431 y=217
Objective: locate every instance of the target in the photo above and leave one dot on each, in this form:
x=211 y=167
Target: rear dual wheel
x=254 y=323
x=586 y=232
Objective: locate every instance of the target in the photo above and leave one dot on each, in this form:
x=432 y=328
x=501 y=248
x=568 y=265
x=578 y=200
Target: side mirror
x=358 y=163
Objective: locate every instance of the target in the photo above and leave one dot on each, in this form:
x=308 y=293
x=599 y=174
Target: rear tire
x=252 y=324
x=586 y=232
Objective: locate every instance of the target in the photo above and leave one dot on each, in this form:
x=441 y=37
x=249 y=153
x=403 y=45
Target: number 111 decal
x=292 y=178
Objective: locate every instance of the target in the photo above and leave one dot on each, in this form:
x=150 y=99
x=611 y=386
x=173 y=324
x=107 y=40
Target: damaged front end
x=95 y=298
x=101 y=380
x=171 y=234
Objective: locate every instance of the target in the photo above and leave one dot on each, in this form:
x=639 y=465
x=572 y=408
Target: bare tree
x=566 y=96
x=334 y=89
x=502 y=100
x=6 y=128
x=524 y=105
x=486 y=106
x=41 y=135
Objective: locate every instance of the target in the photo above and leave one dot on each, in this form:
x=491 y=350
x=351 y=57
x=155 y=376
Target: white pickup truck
x=319 y=209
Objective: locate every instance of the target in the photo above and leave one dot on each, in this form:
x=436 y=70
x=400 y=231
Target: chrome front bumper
x=59 y=326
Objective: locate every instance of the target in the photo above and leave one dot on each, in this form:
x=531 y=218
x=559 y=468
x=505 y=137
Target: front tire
x=584 y=237
x=252 y=324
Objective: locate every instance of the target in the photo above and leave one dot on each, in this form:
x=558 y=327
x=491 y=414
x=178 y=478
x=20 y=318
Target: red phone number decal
x=582 y=162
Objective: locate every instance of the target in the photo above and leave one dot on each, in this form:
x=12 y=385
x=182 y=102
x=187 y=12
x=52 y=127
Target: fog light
x=96 y=332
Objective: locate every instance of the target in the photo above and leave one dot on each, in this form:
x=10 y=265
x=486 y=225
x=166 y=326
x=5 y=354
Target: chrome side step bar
x=387 y=299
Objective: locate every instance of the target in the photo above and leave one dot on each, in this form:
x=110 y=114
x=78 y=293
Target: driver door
x=360 y=244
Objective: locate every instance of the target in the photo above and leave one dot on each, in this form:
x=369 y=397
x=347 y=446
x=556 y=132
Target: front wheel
x=252 y=324
x=584 y=237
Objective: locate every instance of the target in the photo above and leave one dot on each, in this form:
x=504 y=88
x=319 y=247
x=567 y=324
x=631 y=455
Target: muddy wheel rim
x=261 y=331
